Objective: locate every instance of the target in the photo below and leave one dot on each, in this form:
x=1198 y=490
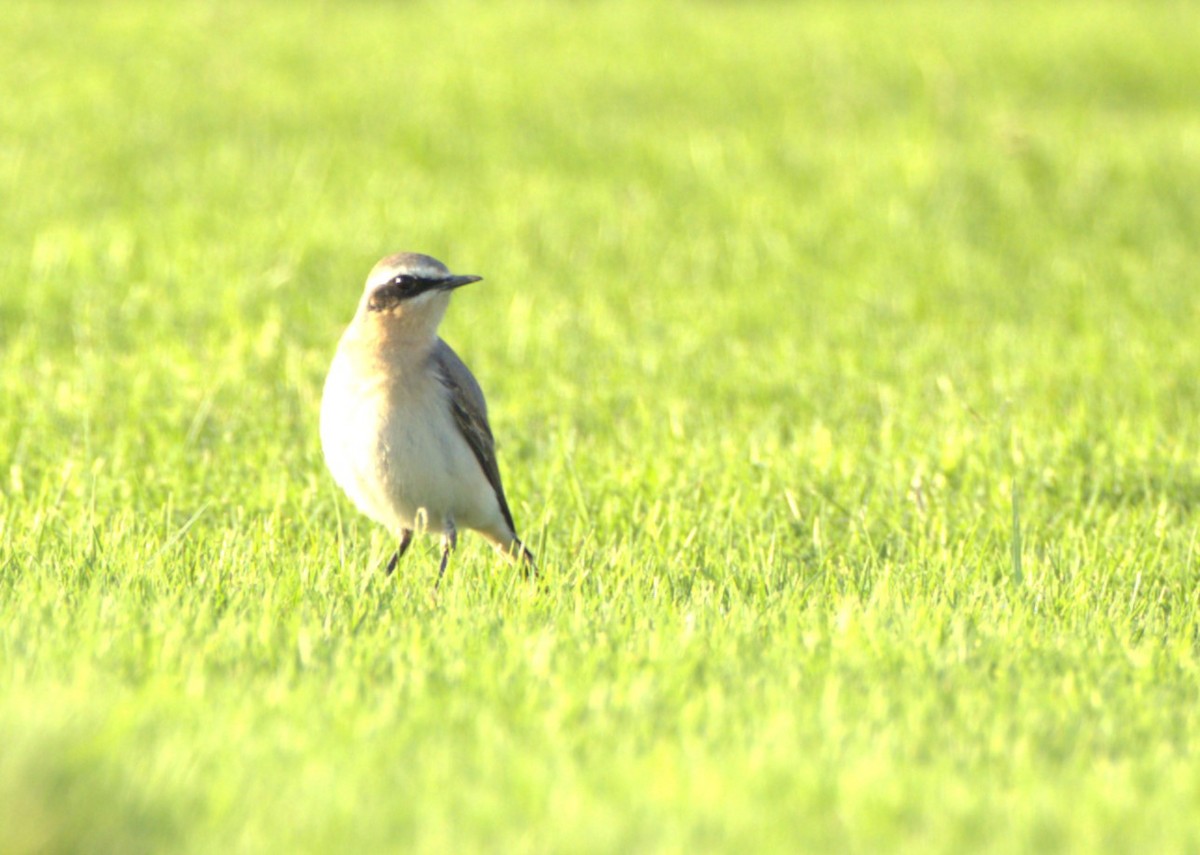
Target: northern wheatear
x=404 y=424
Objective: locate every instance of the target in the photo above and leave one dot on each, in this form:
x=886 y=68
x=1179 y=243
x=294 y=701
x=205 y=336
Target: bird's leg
x=449 y=544
x=405 y=539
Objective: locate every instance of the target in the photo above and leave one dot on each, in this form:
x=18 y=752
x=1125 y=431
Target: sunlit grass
x=843 y=363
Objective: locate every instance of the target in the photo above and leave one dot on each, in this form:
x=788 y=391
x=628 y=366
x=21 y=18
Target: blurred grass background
x=844 y=368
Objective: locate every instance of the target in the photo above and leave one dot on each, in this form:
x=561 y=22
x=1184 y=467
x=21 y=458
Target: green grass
x=845 y=369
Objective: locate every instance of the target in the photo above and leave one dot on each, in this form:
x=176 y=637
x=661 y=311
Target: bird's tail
x=514 y=550
x=521 y=553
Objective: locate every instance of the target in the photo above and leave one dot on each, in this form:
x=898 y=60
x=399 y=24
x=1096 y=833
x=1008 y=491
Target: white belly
x=399 y=455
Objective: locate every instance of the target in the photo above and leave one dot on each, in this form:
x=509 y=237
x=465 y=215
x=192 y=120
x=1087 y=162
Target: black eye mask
x=406 y=286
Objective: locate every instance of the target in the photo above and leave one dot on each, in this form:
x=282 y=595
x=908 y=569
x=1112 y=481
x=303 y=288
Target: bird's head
x=409 y=289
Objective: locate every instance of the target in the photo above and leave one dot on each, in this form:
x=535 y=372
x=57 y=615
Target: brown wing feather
x=470 y=414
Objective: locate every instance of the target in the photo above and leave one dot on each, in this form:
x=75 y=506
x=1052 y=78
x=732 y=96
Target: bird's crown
x=412 y=264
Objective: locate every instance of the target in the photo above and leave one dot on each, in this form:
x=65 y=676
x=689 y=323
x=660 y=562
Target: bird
x=404 y=425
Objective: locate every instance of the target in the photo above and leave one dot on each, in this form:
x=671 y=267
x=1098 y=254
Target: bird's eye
x=397 y=290
x=387 y=295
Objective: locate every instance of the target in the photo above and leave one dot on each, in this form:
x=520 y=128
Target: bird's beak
x=452 y=282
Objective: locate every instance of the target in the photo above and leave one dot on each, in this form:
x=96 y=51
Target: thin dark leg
x=449 y=544
x=405 y=540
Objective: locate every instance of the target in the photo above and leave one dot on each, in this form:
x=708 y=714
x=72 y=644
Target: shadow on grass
x=59 y=793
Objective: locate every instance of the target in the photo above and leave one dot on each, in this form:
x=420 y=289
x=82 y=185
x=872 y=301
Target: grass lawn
x=844 y=360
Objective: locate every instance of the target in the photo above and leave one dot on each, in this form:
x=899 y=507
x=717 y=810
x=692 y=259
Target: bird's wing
x=470 y=414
